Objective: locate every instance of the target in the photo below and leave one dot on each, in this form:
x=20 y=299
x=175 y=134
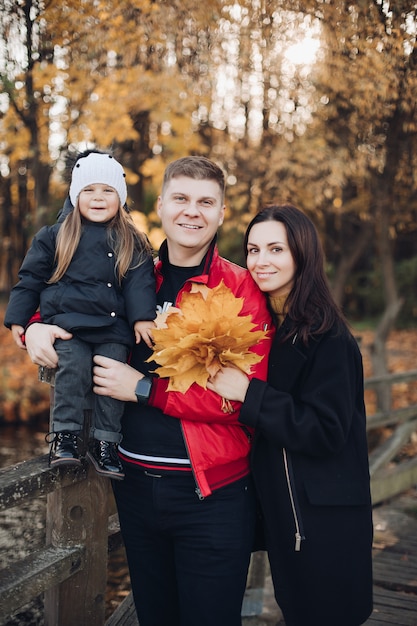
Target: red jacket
x=218 y=445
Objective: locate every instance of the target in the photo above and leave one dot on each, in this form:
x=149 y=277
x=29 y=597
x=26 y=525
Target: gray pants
x=73 y=389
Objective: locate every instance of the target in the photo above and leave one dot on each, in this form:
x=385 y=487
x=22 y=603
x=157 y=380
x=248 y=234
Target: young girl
x=310 y=456
x=91 y=273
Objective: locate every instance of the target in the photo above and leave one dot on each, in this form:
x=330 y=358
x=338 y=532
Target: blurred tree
x=24 y=105
x=330 y=128
x=361 y=144
x=129 y=76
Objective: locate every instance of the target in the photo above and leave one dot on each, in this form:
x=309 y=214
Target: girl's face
x=269 y=259
x=98 y=203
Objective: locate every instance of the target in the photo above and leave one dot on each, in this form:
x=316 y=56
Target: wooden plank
x=405 y=546
x=388 y=483
x=392 y=607
x=396 y=578
x=78 y=515
x=24 y=580
x=396 y=416
x=394 y=569
x=395 y=599
x=125 y=614
x=30 y=479
x=384 y=453
x=397 y=377
x=395 y=563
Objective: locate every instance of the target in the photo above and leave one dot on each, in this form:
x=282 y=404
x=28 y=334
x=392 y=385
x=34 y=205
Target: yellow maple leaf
x=206 y=334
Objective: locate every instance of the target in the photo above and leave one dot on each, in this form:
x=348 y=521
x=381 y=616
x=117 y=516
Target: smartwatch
x=143 y=390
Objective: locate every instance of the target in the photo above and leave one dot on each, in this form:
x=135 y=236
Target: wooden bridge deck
x=395 y=573
x=395 y=562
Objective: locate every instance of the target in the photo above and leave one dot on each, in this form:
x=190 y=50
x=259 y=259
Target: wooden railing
x=389 y=479
x=82 y=525
x=72 y=568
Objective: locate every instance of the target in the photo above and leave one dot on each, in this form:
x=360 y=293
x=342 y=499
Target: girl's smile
x=98 y=202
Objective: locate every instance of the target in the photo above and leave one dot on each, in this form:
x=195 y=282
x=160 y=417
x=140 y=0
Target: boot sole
x=56 y=462
x=101 y=471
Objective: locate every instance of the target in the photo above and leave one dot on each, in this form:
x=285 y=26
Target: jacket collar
x=163 y=260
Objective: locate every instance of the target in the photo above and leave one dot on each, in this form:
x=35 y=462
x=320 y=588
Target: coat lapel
x=286 y=363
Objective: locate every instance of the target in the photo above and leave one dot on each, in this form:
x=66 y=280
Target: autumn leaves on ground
x=23 y=398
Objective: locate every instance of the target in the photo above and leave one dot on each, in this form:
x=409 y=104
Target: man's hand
x=40 y=339
x=115 y=379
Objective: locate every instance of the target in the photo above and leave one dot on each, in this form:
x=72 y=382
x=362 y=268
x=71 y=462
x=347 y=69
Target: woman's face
x=269 y=259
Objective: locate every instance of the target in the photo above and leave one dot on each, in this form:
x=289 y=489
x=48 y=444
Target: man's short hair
x=196 y=167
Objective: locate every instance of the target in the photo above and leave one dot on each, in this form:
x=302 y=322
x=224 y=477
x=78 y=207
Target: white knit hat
x=97 y=168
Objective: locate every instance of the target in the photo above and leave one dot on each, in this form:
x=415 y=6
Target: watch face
x=143 y=390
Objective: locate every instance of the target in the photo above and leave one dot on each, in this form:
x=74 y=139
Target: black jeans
x=73 y=389
x=188 y=558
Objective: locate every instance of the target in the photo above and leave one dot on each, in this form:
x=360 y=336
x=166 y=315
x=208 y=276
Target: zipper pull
x=297 y=542
x=198 y=492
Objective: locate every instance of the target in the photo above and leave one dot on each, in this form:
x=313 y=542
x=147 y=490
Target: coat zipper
x=298 y=536
x=197 y=488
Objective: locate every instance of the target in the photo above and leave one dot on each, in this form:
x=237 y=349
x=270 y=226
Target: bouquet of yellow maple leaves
x=193 y=343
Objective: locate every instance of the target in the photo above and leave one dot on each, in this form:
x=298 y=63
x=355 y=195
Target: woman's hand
x=40 y=339
x=230 y=383
x=115 y=379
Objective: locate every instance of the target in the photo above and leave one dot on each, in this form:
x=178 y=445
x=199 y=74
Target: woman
x=309 y=456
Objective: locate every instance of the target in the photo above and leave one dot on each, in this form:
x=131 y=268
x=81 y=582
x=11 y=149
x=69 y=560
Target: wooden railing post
x=78 y=516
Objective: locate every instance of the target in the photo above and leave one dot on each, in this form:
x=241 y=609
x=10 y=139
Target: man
x=187 y=508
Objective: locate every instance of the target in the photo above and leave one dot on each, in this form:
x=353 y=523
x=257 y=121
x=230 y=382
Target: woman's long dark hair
x=310 y=304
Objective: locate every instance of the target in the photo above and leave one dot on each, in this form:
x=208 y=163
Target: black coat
x=88 y=300
x=310 y=465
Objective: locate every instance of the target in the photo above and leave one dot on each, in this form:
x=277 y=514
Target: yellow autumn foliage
x=208 y=333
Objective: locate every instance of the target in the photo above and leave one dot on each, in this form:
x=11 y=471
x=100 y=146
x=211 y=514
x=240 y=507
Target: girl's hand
x=230 y=383
x=17 y=332
x=143 y=330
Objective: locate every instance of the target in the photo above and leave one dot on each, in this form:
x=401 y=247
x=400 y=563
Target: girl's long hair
x=130 y=246
x=310 y=304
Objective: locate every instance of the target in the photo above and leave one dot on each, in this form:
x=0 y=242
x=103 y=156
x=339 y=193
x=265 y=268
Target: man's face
x=191 y=211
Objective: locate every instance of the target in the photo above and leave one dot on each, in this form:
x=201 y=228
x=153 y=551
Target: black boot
x=64 y=449
x=104 y=457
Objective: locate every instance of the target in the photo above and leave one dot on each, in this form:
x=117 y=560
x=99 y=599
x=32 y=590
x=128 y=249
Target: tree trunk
x=350 y=257
x=392 y=301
